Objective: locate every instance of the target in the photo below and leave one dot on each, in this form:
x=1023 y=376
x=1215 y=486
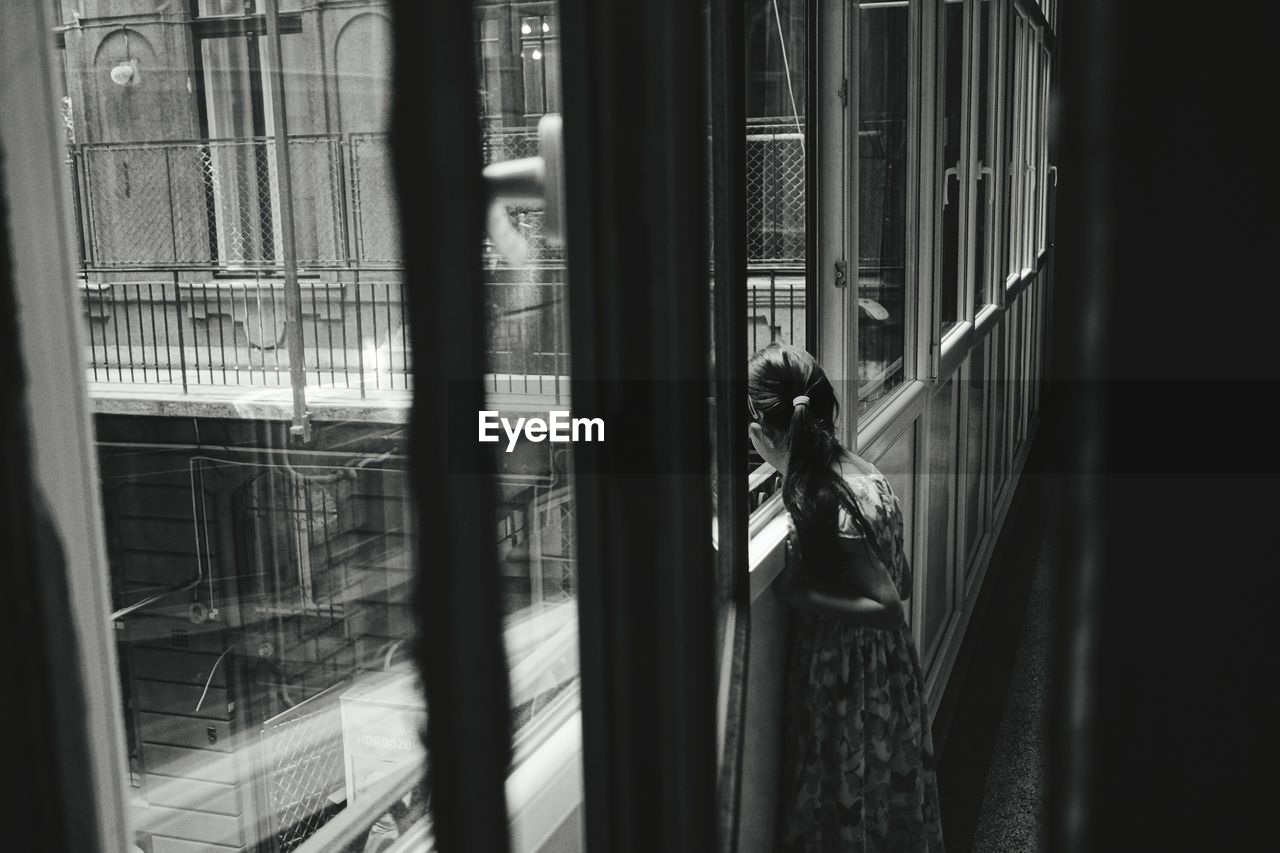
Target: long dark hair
x=812 y=491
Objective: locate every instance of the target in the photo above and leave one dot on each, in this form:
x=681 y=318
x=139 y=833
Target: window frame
x=64 y=464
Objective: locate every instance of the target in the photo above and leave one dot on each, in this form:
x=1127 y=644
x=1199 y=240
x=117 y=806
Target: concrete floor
x=994 y=771
x=1011 y=817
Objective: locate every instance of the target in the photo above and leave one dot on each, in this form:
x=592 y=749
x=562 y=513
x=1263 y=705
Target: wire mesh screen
x=377 y=235
x=206 y=203
x=304 y=765
x=775 y=193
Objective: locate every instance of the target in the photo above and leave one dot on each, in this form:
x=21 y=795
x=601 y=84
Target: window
x=1042 y=135
x=883 y=145
x=985 y=179
x=540 y=55
x=777 y=197
x=488 y=69
x=951 y=46
x=1030 y=147
x=261 y=542
x=1015 y=119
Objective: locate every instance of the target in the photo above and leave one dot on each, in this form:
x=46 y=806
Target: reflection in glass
x=527 y=353
x=954 y=171
x=1016 y=119
x=1030 y=146
x=882 y=201
x=777 y=234
x=261 y=556
x=985 y=179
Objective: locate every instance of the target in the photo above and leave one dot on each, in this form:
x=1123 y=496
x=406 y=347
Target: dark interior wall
x=1167 y=324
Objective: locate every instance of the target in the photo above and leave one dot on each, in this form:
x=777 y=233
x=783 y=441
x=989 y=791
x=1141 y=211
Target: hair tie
x=802 y=400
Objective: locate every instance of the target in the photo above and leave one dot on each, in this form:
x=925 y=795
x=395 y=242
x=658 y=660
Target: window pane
x=489 y=73
x=975 y=437
x=540 y=56
x=985 y=181
x=261 y=552
x=883 y=135
x=261 y=556
x=953 y=125
x=527 y=309
x=1042 y=136
x=1014 y=123
x=776 y=193
x=1029 y=147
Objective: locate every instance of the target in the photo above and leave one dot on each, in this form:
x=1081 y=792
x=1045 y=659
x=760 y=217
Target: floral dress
x=859 y=773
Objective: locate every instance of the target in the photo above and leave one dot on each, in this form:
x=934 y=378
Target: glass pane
x=975 y=437
x=1029 y=147
x=985 y=182
x=939 y=480
x=489 y=73
x=526 y=301
x=998 y=464
x=953 y=126
x=527 y=353
x=1042 y=135
x=1013 y=130
x=540 y=59
x=883 y=135
x=261 y=554
x=776 y=194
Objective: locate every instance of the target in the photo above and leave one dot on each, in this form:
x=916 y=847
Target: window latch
x=843 y=92
x=984 y=172
x=951 y=172
x=842 y=273
x=532 y=182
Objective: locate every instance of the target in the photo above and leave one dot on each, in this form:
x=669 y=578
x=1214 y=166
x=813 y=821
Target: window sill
x=986 y=320
x=900 y=405
x=955 y=346
x=766 y=552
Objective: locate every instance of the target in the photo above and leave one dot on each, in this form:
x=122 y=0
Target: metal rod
x=301 y=429
x=182 y=346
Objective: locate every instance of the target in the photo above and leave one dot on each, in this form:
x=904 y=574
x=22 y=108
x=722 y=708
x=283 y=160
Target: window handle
x=985 y=172
x=951 y=172
x=1053 y=170
x=533 y=181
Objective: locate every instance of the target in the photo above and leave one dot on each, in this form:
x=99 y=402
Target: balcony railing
x=183 y=286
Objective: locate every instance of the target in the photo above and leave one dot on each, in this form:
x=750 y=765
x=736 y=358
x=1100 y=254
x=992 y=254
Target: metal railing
x=182 y=280
x=186 y=333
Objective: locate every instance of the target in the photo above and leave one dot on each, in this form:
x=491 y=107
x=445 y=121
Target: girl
x=858 y=774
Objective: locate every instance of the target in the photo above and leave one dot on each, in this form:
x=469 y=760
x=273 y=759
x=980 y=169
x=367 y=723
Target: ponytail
x=794 y=397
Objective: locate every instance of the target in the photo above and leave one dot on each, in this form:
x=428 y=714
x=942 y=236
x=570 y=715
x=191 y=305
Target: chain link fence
x=775 y=193
x=217 y=203
x=302 y=753
x=210 y=203
x=373 y=212
x=497 y=146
